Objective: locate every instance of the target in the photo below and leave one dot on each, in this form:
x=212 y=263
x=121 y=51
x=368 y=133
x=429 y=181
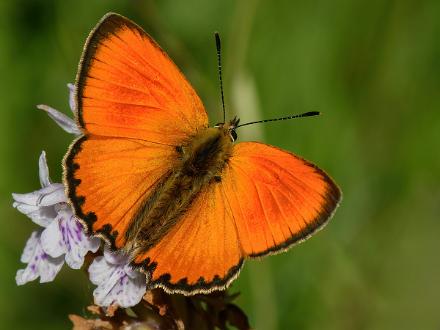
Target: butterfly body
x=153 y=180
x=198 y=162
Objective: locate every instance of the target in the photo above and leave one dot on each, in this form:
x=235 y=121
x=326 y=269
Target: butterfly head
x=229 y=128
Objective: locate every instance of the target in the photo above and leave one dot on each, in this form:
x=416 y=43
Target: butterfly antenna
x=219 y=61
x=306 y=114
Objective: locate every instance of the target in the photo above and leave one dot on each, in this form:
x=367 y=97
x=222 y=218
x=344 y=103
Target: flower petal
x=72 y=102
x=107 y=292
x=61 y=119
x=41 y=205
x=47 y=196
x=132 y=290
x=52 y=240
x=100 y=270
x=117 y=282
x=29 y=248
x=49 y=268
x=41 y=215
x=39 y=263
x=43 y=170
x=120 y=289
x=77 y=242
x=65 y=235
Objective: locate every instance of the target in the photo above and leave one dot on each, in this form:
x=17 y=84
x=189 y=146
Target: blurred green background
x=372 y=68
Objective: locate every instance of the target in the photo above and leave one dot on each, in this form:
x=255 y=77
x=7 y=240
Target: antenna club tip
x=217 y=39
x=310 y=114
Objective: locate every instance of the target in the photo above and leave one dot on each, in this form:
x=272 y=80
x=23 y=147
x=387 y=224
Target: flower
x=39 y=263
x=65 y=235
x=62 y=238
x=42 y=205
x=117 y=282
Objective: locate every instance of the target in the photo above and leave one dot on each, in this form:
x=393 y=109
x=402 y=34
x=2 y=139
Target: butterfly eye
x=233 y=135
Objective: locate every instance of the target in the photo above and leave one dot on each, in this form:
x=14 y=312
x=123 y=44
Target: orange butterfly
x=151 y=178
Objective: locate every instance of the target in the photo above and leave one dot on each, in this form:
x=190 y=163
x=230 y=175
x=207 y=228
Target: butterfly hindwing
x=201 y=253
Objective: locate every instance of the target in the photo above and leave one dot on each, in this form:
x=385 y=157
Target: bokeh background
x=372 y=67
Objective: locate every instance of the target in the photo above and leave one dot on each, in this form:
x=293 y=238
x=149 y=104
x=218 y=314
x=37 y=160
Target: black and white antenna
x=306 y=114
x=219 y=60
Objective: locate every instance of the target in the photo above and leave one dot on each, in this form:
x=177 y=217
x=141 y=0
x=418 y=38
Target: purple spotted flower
x=62 y=239
x=117 y=282
x=65 y=236
x=40 y=264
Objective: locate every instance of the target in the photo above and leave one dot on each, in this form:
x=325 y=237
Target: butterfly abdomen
x=199 y=162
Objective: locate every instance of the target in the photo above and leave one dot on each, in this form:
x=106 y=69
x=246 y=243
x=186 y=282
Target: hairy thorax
x=200 y=161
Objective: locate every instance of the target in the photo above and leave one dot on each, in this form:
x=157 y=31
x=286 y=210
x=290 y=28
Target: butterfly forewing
x=110 y=177
x=277 y=198
x=128 y=87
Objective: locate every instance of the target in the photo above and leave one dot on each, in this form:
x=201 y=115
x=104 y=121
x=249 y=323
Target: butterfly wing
x=127 y=86
x=277 y=198
x=134 y=107
x=267 y=200
x=108 y=178
x=201 y=253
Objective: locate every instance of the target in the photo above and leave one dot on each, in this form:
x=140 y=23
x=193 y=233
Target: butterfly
x=150 y=177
